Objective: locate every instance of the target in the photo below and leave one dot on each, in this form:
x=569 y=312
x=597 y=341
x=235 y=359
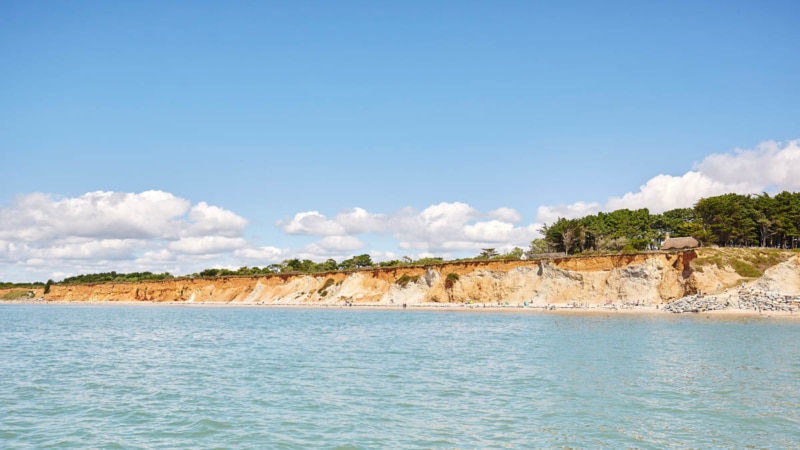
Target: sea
x=166 y=377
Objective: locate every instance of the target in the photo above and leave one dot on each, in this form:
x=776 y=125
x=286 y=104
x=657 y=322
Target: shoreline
x=459 y=307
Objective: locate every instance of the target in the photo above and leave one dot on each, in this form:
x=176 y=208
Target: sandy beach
x=449 y=307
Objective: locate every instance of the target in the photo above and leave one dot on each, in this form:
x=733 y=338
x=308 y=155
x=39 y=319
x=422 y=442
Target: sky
x=183 y=135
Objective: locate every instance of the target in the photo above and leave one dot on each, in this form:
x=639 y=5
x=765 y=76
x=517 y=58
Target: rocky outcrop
x=643 y=279
x=777 y=290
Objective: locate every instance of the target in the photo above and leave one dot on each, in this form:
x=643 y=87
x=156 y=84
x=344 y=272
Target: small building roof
x=679 y=243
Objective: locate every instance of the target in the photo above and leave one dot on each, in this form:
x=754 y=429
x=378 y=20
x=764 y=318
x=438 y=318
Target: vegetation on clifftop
x=110 y=277
x=746 y=262
x=730 y=220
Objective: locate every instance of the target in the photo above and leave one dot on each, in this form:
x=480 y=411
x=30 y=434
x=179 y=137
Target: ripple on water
x=166 y=377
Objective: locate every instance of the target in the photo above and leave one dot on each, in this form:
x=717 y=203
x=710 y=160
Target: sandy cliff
x=648 y=279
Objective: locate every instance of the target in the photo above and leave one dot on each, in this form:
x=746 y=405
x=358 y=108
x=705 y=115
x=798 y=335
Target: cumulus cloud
x=506 y=215
x=206 y=244
x=150 y=214
x=138 y=231
x=215 y=221
x=337 y=247
x=771 y=166
x=311 y=222
x=547 y=214
x=260 y=254
x=351 y=221
x=443 y=227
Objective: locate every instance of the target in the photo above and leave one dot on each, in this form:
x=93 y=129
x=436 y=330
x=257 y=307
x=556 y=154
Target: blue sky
x=451 y=125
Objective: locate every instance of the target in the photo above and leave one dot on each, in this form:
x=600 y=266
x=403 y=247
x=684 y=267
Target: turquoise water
x=197 y=377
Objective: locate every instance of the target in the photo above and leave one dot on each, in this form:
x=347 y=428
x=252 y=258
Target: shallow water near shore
x=201 y=377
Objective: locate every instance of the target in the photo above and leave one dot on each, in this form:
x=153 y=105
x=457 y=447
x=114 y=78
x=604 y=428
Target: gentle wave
x=177 y=377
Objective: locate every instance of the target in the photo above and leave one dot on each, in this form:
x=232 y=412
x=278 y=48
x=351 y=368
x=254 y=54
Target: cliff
x=778 y=289
x=644 y=279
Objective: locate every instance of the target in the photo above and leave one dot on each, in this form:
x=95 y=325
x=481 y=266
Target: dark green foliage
x=725 y=220
x=9 y=285
x=328 y=283
x=392 y=263
x=107 y=277
x=487 y=253
x=746 y=269
x=405 y=279
x=451 y=280
x=515 y=253
x=356 y=262
x=427 y=261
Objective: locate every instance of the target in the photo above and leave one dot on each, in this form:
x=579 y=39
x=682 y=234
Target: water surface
x=210 y=377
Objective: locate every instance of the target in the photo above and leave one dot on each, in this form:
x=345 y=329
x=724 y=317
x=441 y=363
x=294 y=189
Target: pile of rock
x=698 y=303
x=750 y=299
x=768 y=301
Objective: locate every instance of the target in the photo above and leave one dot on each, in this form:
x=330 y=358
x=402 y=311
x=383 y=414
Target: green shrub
x=328 y=283
x=451 y=280
x=745 y=269
x=405 y=279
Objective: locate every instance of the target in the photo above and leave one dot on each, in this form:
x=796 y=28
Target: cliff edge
x=641 y=279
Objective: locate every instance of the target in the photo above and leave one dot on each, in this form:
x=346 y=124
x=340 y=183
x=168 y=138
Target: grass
x=746 y=262
x=15 y=294
x=405 y=279
x=745 y=269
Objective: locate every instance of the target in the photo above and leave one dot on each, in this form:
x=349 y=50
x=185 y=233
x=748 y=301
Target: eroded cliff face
x=645 y=279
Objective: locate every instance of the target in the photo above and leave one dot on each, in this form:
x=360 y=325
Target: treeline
x=308 y=266
x=107 y=277
x=288 y=266
x=725 y=220
x=10 y=285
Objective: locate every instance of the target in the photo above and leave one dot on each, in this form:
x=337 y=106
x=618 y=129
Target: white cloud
x=665 y=192
x=446 y=216
x=358 y=220
x=771 y=166
x=108 y=249
x=98 y=214
x=549 y=214
x=443 y=227
x=267 y=254
x=114 y=215
x=212 y=220
x=101 y=231
x=207 y=244
x=340 y=243
x=156 y=256
x=506 y=215
x=313 y=223
x=336 y=247
x=351 y=221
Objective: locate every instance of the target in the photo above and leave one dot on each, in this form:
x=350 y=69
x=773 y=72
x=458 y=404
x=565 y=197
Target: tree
x=560 y=236
x=515 y=253
x=538 y=247
x=292 y=265
x=487 y=253
x=356 y=262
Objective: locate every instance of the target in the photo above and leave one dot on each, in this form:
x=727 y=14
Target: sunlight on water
x=166 y=377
